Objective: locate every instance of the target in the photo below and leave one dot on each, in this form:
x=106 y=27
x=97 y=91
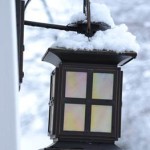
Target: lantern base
x=81 y=146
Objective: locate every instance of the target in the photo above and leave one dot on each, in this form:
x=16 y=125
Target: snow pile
x=117 y=38
x=101 y=13
x=78 y=17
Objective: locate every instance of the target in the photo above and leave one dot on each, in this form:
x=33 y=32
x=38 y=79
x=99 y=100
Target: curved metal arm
x=27 y=4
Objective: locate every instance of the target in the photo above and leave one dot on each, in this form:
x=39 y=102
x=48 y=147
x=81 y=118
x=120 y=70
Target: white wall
x=8 y=77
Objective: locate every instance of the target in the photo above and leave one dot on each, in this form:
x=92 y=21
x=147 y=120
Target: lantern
x=85 y=100
x=86 y=86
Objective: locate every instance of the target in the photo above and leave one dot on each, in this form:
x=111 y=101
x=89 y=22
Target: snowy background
x=34 y=94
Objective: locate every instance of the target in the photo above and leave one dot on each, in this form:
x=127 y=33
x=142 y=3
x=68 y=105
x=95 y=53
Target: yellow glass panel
x=101 y=118
x=74 y=117
x=76 y=84
x=51 y=119
x=53 y=86
x=102 y=86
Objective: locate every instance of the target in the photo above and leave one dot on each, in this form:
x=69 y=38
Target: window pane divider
x=75 y=100
x=88 y=101
x=102 y=102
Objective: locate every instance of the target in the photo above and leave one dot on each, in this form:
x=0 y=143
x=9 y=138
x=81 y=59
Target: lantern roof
x=56 y=56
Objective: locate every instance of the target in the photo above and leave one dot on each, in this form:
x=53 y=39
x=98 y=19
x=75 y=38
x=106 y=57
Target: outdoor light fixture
x=86 y=93
x=86 y=90
x=85 y=100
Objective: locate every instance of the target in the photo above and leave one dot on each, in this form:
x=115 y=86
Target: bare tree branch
x=47 y=10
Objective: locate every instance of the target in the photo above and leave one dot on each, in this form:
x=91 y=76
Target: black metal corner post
x=20 y=37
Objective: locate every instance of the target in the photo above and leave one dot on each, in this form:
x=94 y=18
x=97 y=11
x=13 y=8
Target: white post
x=8 y=76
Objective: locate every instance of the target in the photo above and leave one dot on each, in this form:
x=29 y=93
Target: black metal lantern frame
x=93 y=62
x=60 y=100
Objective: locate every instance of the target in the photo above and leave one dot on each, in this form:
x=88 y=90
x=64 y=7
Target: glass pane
x=101 y=118
x=74 y=117
x=76 y=84
x=51 y=119
x=102 y=86
x=53 y=86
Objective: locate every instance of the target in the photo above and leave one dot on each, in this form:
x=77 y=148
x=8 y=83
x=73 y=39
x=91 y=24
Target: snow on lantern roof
x=99 y=13
x=117 y=38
